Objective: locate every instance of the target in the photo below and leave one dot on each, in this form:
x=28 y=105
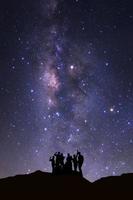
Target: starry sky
x=66 y=83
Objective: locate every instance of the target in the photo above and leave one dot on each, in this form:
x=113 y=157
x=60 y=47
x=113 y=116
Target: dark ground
x=41 y=185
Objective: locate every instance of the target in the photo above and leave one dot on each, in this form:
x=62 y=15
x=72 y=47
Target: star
x=107 y=64
x=31 y=90
x=45 y=129
x=57 y=114
x=111 y=109
x=71 y=67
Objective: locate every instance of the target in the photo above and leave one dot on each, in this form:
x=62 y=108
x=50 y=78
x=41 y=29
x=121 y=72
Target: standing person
x=69 y=163
x=58 y=162
x=52 y=160
x=80 y=161
x=75 y=162
x=62 y=161
x=58 y=159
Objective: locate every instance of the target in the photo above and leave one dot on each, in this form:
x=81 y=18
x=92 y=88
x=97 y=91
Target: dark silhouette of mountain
x=48 y=186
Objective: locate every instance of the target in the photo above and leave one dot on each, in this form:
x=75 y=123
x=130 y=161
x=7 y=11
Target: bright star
x=111 y=109
x=72 y=67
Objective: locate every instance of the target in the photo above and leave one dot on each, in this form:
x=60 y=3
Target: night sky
x=66 y=83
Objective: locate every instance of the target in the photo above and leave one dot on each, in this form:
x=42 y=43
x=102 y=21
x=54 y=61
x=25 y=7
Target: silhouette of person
x=72 y=163
x=52 y=160
x=75 y=162
x=69 y=163
x=62 y=160
x=58 y=162
x=80 y=161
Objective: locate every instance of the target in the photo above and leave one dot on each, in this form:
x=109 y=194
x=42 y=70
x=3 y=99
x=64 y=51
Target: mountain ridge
x=73 y=186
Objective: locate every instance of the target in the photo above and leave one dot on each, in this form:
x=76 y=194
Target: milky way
x=66 y=84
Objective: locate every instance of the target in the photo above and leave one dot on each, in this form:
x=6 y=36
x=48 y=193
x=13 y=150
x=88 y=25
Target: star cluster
x=66 y=84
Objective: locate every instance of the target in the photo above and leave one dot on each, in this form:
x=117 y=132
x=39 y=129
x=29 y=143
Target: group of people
x=70 y=164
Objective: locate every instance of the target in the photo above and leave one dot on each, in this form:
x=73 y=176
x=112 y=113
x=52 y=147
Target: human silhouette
x=57 y=162
x=68 y=164
x=75 y=162
x=80 y=158
x=52 y=160
x=62 y=157
x=71 y=165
